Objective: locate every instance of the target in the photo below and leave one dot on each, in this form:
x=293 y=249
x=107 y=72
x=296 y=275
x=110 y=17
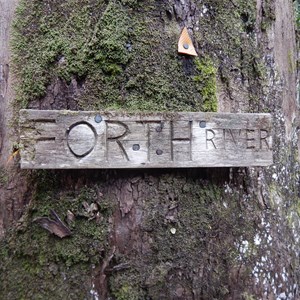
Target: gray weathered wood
x=73 y=139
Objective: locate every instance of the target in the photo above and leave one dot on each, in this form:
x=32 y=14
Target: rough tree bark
x=226 y=233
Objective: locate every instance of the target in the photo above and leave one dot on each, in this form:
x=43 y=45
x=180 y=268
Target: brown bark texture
x=188 y=234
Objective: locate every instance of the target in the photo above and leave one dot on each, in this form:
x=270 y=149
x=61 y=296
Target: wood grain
x=74 y=140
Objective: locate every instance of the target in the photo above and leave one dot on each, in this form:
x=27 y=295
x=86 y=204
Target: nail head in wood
x=158 y=129
x=202 y=124
x=136 y=147
x=159 y=152
x=98 y=118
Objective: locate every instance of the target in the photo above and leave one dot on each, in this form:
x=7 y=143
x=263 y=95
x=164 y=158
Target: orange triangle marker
x=185 y=44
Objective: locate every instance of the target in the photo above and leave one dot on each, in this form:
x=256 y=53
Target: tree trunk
x=218 y=233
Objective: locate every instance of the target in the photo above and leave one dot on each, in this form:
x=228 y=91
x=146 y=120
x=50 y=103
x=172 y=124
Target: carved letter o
x=81 y=139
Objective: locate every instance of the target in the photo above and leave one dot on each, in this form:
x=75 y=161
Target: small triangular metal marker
x=185 y=44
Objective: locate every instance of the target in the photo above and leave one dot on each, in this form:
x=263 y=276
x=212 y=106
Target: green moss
x=123 y=58
x=111 y=48
x=68 y=40
x=268 y=14
x=235 y=55
x=124 y=288
x=3 y=176
x=297 y=14
x=201 y=215
x=247 y=296
x=37 y=261
x=130 y=3
x=206 y=80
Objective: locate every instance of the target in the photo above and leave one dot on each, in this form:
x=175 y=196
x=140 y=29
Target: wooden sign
x=102 y=140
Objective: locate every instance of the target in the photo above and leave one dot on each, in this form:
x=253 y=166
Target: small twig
x=120 y=267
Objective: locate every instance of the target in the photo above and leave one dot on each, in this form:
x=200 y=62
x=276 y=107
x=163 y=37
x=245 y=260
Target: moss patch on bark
x=36 y=264
x=124 y=58
x=187 y=251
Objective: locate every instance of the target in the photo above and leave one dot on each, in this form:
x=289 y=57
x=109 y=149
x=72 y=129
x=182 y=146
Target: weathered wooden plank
x=70 y=140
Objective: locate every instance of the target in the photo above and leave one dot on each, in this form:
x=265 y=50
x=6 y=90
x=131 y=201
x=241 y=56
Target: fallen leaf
x=55 y=225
